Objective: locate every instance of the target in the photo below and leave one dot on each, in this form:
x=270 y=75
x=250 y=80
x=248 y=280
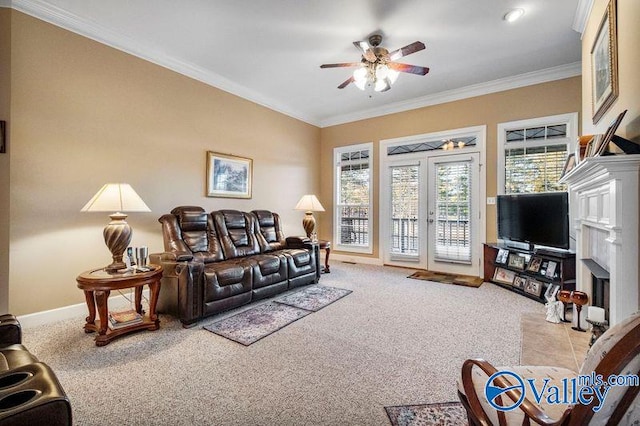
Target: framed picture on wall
x=604 y=64
x=228 y=176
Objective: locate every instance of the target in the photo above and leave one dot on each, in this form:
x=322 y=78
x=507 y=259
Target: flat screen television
x=537 y=219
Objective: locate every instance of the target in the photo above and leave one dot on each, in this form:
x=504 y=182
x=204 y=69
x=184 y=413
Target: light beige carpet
x=391 y=342
x=441 y=277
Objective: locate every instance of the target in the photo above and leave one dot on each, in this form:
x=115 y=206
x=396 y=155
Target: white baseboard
x=349 y=258
x=119 y=301
x=73 y=311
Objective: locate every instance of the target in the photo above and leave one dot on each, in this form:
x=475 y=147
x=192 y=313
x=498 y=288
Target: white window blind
x=353 y=198
x=535 y=169
x=452 y=211
x=405 y=182
x=534 y=156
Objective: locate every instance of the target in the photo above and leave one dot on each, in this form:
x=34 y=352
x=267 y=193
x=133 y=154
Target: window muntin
x=458 y=142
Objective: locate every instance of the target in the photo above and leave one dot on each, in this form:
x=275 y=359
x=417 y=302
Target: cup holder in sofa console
x=13 y=379
x=17 y=399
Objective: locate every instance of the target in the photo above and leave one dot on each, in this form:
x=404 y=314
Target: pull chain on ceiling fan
x=377 y=66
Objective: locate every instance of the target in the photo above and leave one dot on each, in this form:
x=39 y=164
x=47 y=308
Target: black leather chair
x=30 y=393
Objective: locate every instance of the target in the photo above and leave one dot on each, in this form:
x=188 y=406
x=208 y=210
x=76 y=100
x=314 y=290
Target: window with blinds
x=404 y=191
x=534 y=158
x=353 y=197
x=453 y=211
x=534 y=169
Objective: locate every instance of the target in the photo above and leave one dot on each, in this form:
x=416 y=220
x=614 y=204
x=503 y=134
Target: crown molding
x=71 y=22
x=64 y=19
x=507 y=83
x=582 y=15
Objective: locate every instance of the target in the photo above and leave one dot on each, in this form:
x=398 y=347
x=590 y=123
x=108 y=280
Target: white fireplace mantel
x=605 y=192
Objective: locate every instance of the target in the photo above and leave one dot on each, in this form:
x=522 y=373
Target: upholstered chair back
x=189 y=231
x=617 y=351
x=237 y=233
x=270 y=229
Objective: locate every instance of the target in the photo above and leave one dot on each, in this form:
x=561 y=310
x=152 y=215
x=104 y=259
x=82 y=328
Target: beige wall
x=5 y=92
x=84 y=114
x=628 y=69
x=552 y=98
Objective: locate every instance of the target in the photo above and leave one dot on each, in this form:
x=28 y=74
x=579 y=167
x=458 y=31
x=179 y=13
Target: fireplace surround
x=604 y=207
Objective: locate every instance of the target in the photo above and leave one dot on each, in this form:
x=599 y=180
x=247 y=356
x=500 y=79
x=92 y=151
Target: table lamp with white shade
x=118 y=197
x=309 y=203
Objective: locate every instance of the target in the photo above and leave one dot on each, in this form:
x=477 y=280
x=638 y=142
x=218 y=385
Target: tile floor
x=545 y=343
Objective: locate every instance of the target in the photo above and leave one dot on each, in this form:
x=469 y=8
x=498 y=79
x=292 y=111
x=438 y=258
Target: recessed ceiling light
x=513 y=15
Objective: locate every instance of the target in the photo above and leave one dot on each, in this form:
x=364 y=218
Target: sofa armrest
x=170 y=256
x=306 y=243
x=10 y=330
x=299 y=242
x=182 y=288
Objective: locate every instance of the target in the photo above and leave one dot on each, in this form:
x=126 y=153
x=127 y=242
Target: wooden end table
x=97 y=284
x=326 y=246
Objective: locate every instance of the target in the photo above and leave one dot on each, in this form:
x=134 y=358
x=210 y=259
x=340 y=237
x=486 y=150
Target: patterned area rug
x=251 y=325
x=441 y=414
x=313 y=298
x=440 y=277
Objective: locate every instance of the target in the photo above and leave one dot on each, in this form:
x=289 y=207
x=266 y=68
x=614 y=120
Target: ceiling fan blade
x=345 y=64
x=414 y=47
x=346 y=83
x=367 y=53
x=412 y=69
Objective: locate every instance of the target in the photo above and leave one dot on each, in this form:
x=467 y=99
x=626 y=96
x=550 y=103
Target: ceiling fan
x=377 y=67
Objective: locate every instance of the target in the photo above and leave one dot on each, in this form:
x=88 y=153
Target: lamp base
x=309 y=223
x=117 y=236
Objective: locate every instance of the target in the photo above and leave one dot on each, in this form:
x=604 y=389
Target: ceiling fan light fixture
x=382 y=84
x=513 y=15
x=393 y=75
x=377 y=68
x=360 y=74
x=382 y=71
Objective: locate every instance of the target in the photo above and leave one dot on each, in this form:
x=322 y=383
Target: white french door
x=432 y=190
x=453 y=214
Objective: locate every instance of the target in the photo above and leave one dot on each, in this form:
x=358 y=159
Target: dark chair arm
x=10 y=330
x=182 y=288
x=170 y=256
x=530 y=409
x=299 y=242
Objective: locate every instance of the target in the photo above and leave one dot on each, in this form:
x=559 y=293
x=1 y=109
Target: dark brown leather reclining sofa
x=30 y=393
x=218 y=261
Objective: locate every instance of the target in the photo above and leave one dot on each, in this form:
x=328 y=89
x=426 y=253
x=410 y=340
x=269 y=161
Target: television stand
x=529 y=272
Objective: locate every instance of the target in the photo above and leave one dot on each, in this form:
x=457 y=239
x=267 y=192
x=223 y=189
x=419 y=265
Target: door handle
x=430 y=220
